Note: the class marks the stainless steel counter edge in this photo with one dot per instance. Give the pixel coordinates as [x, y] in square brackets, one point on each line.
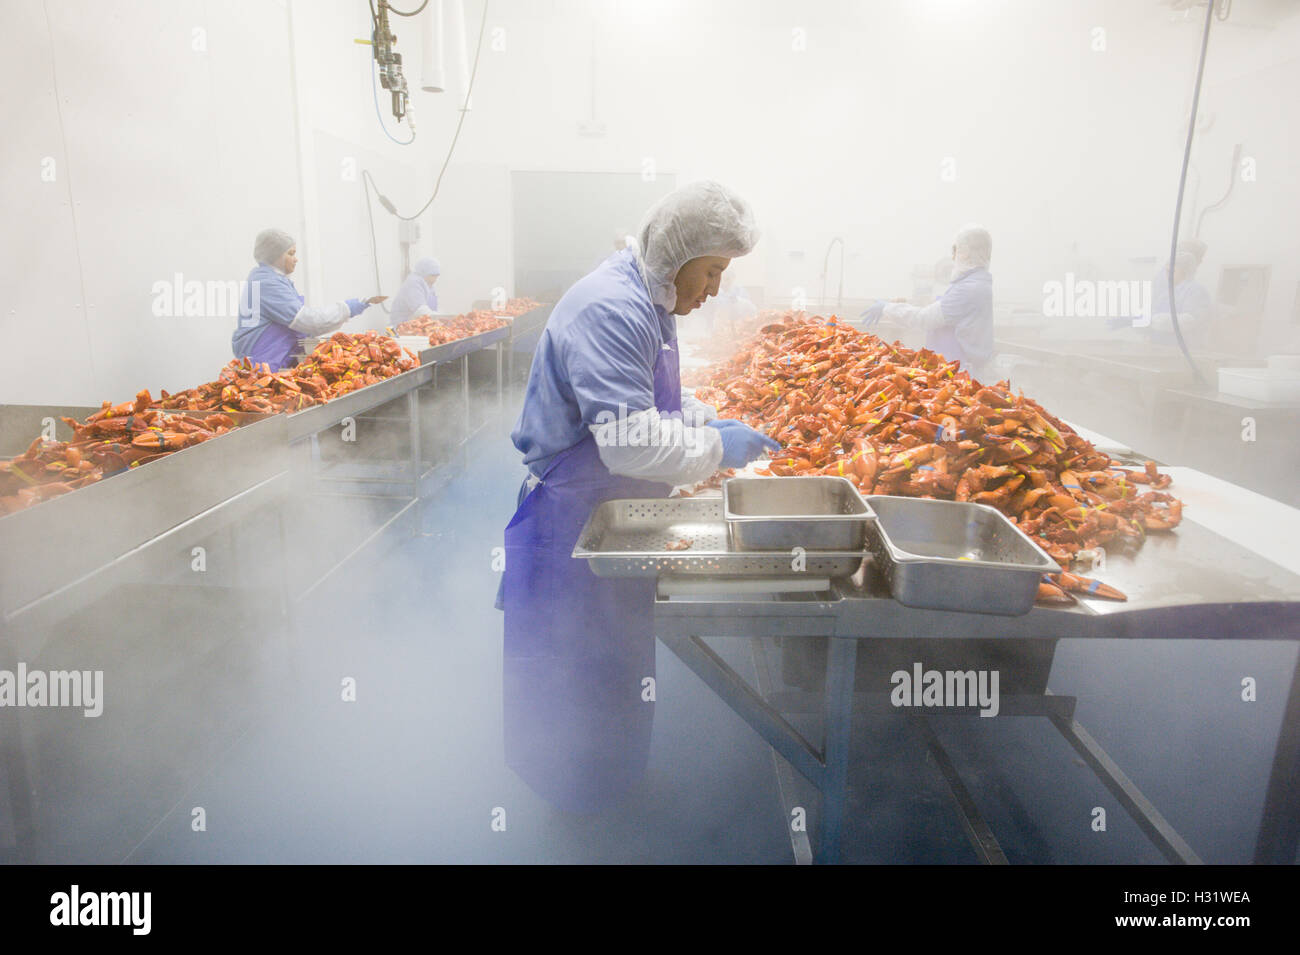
[530, 321]
[44, 547]
[313, 420]
[857, 616]
[450, 351]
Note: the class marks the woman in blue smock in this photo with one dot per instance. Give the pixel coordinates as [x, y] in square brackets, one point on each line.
[1196, 309]
[959, 323]
[273, 317]
[416, 298]
[604, 417]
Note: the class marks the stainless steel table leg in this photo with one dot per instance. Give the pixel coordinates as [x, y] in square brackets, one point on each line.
[417, 453]
[464, 390]
[1279, 828]
[747, 704]
[13, 760]
[981, 837]
[785, 782]
[841, 665]
[1135, 803]
[501, 400]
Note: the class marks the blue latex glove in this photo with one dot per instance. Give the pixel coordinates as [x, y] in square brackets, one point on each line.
[872, 315]
[741, 443]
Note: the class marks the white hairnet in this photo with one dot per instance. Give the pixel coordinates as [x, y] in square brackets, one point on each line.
[1194, 247]
[426, 266]
[974, 249]
[1184, 266]
[703, 218]
[270, 244]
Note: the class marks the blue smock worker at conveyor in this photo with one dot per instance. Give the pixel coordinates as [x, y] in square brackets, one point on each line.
[416, 298]
[273, 316]
[604, 417]
[1196, 310]
[959, 323]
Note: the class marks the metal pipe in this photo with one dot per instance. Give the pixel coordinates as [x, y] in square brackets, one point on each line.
[1232, 182]
[839, 301]
[1182, 186]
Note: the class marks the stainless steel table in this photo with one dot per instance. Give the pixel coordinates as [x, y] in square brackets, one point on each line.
[1189, 584]
[459, 351]
[524, 332]
[388, 485]
[62, 555]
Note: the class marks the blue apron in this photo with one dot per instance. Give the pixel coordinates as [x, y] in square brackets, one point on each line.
[578, 646]
[276, 347]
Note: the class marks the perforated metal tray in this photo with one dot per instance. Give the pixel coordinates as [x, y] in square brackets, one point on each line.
[630, 538]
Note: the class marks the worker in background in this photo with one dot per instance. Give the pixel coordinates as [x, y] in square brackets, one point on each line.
[273, 317]
[1196, 311]
[604, 417]
[959, 323]
[417, 298]
[942, 274]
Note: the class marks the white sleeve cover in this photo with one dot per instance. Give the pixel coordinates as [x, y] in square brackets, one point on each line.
[655, 447]
[931, 316]
[695, 412]
[318, 319]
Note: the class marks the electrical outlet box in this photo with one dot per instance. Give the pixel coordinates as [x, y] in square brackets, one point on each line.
[408, 231]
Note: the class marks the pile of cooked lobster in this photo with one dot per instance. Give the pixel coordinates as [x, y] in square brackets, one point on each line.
[439, 331]
[413, 327]
[517, 306]
[338, 365]
[464, 326]
[900, 421]
[127, 435]
[112, 439]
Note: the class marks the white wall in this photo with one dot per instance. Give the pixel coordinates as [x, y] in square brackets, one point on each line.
[1056, 145]
[847, 136]
[1250, 98]
[166, 159]
[170, 158]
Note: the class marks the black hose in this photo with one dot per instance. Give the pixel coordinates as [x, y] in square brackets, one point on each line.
[1182, 185]
[366, 181]
[469, 89]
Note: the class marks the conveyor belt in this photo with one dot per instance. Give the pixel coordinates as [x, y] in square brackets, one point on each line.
[55, 556]
[318, 418]
[450, 351]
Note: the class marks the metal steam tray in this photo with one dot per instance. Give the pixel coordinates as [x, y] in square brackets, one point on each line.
[816, 512]
[951, 555]
[630, 538]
